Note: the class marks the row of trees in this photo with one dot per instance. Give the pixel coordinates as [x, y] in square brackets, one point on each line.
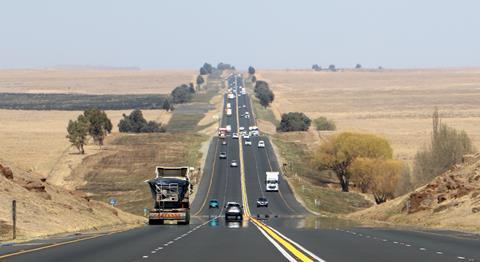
[206, 69]
[182, 94]
[331, 68]
[93, 123]
[136, 123]
[263, 92]
[222, 66]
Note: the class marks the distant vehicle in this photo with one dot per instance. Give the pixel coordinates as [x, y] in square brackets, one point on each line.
[229, 112]
[229, 105]
[247, 116]
[246, 136]
[244, 106]
[261, 144]
[213, 204]
[234, 163]
[224, 142]
[234, 135]
[248, 142]
[222, 132]
[271, 181]
[171, 194]
[246, 113]
[242, 128]
[251, 128]
[262, 202]
[229, 128]
[255, 133]
[223, 155]
[231, 96]
[233, 212]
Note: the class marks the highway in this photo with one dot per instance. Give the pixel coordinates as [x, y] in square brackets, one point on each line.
[285, 231]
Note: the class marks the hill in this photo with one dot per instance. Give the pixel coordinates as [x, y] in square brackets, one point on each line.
[450, 201]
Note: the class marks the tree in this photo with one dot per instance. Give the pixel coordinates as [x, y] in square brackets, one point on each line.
[332, 68]
[294, 121]
[316, 67]
[99, 124]
[78, 133]
[380, 176]
[182, 94]
[254, 79]
[263, 93]
[251, 70]
[167, 105]
[208, 67]
[136, 123]
[339, 152]
[446, 148]
[322, 123]
[203, 71]
[358, 66]
[222, 66]
[200, 80]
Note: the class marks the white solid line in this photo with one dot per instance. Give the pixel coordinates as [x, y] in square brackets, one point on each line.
[284, 253]
[296, 244]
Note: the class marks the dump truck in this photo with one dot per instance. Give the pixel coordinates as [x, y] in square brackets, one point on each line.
[171, 190]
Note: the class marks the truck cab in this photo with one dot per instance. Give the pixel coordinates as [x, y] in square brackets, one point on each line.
[271, 181]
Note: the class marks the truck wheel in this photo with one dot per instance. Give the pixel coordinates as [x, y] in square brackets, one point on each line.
[187, 219]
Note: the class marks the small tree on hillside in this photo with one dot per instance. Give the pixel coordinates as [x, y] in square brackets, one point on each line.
[332, 68]
[99, 124]
[263, 93]
[358, 66]
[167, 105]
[203, 71]
[136, 123]
[294, 121]
[339, 152]
[251, 70]
[78, 133]
[254, 79]
[182, 94]
[200, 80]
[316, 67]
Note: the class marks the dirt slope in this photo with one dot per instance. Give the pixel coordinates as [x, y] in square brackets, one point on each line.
[44, 209]
[450, 201]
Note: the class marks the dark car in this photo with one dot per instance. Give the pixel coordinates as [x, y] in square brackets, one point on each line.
[213, 203]
[233, 212]
[223, 155]
[262, 202]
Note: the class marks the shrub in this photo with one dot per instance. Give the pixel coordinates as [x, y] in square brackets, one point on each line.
[136, 123]
[323, 124]
[447, 148]
[251, 70]
[294, 121]
[182, 94]
[263, 93]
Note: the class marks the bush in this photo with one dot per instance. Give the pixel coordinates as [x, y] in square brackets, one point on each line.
[447, 148]
[136, 123]
[182, 94]
[254, 79]
[332, 68]
[294, 121]
[222, 66]
[358, 66]
[323, 124]
[316, 67]
[263, 93]
[200, 80]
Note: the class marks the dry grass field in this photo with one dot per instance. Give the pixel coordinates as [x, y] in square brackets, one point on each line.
[93, 81]
[35, 140]
[396, 104]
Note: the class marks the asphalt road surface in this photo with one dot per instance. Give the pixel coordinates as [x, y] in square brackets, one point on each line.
[284, 231]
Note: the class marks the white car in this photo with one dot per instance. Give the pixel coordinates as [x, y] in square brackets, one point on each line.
[248, 142]
[261, 143]
[235, 135]
[247, 116]
[242, 128]
[234, 163]
[246, 136]
[254, 133]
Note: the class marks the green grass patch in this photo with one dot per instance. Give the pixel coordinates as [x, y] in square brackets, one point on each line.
[184, 122]
[263, 113]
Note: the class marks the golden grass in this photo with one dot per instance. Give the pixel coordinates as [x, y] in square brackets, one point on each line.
[35, 140]
[93, 81]
[396, 104]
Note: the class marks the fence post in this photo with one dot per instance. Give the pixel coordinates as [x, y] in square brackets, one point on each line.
[14, 219]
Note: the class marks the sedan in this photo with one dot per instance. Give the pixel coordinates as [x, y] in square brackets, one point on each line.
[261, 143]
[235, 135]
[213, 203]
[262, 202]
[224, 142]
[223, 155]
[234, 163]
[248, 142]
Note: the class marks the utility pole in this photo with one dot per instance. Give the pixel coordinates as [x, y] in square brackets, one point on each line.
[14, 219]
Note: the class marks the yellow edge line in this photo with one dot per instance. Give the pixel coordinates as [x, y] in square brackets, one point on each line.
[52, 245]
[242, 171]
[282, 241]
[211, 180]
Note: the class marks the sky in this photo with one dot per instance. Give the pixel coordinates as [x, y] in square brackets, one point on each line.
[177, 34]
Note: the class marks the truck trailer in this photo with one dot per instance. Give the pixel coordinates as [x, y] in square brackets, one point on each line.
[171, 195]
